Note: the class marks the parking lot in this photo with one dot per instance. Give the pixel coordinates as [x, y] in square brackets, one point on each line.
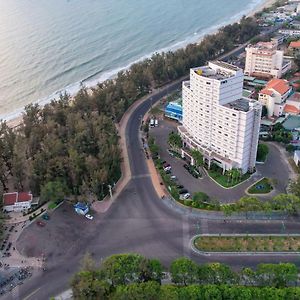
[54, 237]
[274, 168]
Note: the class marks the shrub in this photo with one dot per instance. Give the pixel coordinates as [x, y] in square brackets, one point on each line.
[262, 152]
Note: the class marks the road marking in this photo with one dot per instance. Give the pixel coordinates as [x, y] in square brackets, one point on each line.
[141, 176]
[34, 292]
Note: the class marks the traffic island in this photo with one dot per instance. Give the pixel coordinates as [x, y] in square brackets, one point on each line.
[263, 186]
[247, 244]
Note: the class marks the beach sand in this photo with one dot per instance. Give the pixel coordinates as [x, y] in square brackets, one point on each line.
[13, 123]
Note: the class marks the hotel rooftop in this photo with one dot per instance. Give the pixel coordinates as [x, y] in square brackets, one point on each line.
[263, 46]
[218, 74]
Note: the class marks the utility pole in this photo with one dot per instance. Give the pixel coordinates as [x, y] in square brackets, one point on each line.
[110, 191]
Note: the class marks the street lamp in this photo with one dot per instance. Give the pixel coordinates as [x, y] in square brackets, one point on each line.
[110, 190]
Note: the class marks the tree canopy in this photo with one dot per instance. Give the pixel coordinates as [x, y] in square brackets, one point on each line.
[122, 276]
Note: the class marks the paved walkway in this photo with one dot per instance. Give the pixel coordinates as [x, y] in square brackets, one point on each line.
[16, 259]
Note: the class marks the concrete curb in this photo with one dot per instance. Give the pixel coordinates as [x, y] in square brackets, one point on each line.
[242, 253]
[228, 188]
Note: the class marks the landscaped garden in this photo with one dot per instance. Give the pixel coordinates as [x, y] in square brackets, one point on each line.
[248, 243]
[263, 186]
[230, 179]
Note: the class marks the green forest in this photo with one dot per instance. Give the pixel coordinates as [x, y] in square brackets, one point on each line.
[132, 276]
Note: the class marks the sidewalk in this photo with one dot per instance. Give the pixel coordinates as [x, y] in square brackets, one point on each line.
[21, 218]
[156, 180]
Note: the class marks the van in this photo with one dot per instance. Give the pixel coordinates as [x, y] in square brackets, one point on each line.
[152, 124]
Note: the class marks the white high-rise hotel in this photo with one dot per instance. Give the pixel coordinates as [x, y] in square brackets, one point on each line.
[217, 120]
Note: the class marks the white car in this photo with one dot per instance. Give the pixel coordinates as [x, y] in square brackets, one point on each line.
[90, 217]
[185, 196]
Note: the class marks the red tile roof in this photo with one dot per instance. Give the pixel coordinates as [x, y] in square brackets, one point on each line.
[12, 198]
[266, 92]
[295, 44]
[279, 85]
[291, 109]
[295, 97]
[22, 197]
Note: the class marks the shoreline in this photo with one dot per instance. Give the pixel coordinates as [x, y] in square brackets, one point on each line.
[266, 4]
[15, 121]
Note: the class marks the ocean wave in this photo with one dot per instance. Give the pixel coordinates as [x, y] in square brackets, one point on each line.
[100, 76]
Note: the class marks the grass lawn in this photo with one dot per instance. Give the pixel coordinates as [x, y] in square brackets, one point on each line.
[52, 205]
[248, 243]
[263, 186]
[224, 180]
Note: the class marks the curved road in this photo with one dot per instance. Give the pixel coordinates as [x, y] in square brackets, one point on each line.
[138, 221]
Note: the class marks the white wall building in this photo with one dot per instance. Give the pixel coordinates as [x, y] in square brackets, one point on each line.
[217, 120]
[274, 96]
[264, 60]
[290, 32]
[16, 201]
[297, 157]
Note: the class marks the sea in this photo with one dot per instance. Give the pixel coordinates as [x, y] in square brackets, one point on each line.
[51, 46]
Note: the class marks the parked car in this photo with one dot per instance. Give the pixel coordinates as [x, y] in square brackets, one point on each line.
[173, 177]
[46, 216]
[168, 171]
[168, 168]
[152, 123]
[192, 170]
[40, 223]
[194, 173]
[183, 191]
[179, 186]
[185, 196]
[88, 216]
[170, 152]
[186, 166]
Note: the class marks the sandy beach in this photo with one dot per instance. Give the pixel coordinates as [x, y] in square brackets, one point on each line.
[13, 123]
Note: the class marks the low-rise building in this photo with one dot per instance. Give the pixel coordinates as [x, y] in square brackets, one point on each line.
[297, 157]
[294, 48]
[81, 208]
[290, 32]
[174, 111]
[16, 201]
[264, 60]
[278, 39]
[274, 96]
[292, 106]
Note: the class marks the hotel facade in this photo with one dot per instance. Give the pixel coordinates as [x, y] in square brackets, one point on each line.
[217, 120]
[265, 61]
